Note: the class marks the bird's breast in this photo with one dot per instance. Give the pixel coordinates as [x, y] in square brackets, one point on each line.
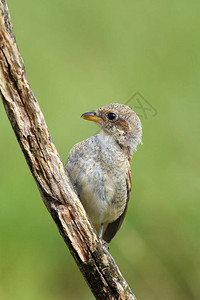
[97, 168]
[102, 193]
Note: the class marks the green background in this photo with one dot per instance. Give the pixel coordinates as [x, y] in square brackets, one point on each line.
[80, 55]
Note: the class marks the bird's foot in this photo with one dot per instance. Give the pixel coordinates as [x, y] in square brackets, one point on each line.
[105, 245]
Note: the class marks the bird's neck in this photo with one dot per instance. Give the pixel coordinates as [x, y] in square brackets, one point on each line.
[128, 146]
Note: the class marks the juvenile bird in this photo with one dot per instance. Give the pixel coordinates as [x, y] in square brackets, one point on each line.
[99, 167]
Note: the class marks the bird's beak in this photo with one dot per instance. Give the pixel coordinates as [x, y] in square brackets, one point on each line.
[91, 116]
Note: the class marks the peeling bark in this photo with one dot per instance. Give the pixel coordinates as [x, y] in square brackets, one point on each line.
[94, 261]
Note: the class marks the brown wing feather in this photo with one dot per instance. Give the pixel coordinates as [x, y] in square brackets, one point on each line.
[113, 227]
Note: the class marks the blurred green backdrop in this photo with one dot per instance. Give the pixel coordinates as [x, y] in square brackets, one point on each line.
[80, 55]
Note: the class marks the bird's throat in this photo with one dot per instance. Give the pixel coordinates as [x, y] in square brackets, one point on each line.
[108, 141]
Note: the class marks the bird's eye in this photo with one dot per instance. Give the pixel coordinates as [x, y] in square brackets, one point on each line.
[112, 116]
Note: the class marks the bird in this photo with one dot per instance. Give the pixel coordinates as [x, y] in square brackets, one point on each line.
[99, 167]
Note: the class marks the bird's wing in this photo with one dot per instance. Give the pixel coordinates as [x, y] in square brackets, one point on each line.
[113, 227]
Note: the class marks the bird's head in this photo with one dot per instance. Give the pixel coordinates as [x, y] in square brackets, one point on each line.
[119, 121]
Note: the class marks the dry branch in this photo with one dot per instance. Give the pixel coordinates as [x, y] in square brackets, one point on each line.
[27, 120]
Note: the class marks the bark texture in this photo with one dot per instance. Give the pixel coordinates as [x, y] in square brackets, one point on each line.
[94, 261]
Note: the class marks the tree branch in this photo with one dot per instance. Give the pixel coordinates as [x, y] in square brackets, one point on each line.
[27, 120]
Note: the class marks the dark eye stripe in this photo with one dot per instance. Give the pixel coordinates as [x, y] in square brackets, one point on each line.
[111, 116]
